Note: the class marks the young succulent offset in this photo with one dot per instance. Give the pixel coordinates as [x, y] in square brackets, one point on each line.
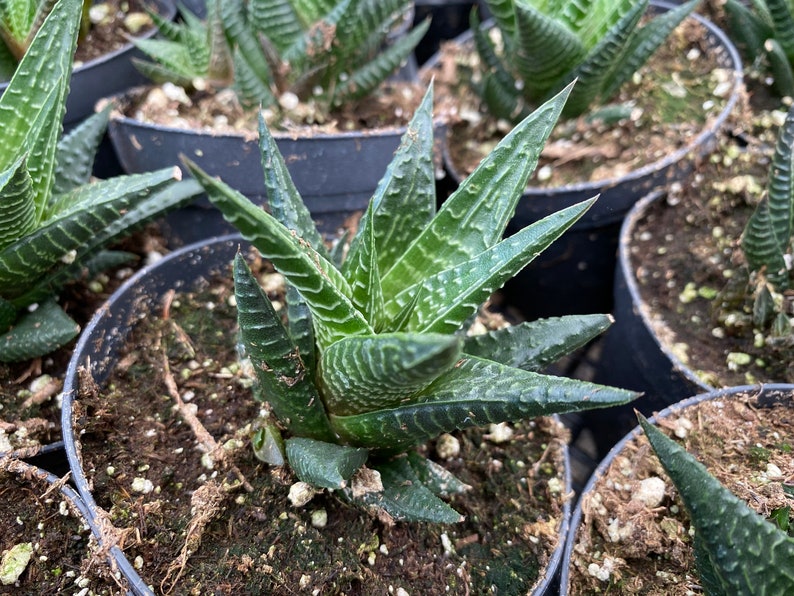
[768, 238]
[736, 550]
[274, 53]
[53, 223]
[764, 31]
[375, 358]
[544, 46]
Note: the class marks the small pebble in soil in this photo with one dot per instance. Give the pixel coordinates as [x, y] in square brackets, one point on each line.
[300, 493]
[447, 446]
[650, 492]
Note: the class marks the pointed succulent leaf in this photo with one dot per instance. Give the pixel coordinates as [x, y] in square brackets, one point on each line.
[592, 71]
[643, 44]
[366, 373]
[450, 297]
[780, 67]
[319, 282]
[534, 345]
[299, 327]
[746, 553]
[76, 151]
[283, 197]
[280, 372]
[473, 393]
[277, 20]
[498, 88]
[436, 478]
[747, 29]
[405, 199]
[38, 333]
[248, 47]
[768, 234]
[504, 15]
[782, 16]
[406, 498]
[536, 32]
[17, 204]
[366, 292]
[475, 216]
[321, 464]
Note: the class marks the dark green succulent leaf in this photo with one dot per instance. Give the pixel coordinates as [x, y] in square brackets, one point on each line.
[404, 201]
[782, 14]
[747, 554]
[643, 44]
[268, 444]
[405, 498]
[592, 72]
[367, 373]
[436, 478]
[473, 393]
[277, 362]
[780, 68]
[249, 52]
[283, 198]
[8, 314]
[747, 29]
[321, 464]
[478, 211]
[764, 309]
[299, 326]
[534, 345]
[17, 203]
[319, 282]
[450, 297]
[160, 73]
[76, 151]
[768, 233]
[504, 16]
[38, 333]
[277, 20]
[171, 57]
[366, 292]
[536, 32]
[709, 579]
[781, 326]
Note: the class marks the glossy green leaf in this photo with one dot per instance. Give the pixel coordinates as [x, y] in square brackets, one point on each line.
[326, 465]
[480, 208]
[280, 372]
[366, 373]
[435, 477]
[534, 345]
[746, 554]
[473, 393]
[37, 333]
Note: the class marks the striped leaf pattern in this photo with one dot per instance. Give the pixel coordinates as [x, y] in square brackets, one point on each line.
[768, 234]
[740, 552]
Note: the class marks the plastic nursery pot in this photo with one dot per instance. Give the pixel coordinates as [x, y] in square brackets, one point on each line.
[633, 354]
[50, 457]
[336, 174]
[106, 75]
[764, 395]
[574, 275]
[55, 508]
[101, 343]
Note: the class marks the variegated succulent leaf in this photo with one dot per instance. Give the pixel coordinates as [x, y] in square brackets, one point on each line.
[323, 464]
[75, 155]
[739, 551]
[767, 238]
[37, 333]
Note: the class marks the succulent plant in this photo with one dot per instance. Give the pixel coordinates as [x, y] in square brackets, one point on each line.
[374, 357]
[54, 224]
[544, 46]
[737, 551]
[767, 239]
[273, 52]
[764, 32]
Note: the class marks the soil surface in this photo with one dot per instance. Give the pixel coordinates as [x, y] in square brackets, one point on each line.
[217, 520]
[112, 23]
[627, 546]
[691, 271]
[680, 91]
[64, 558]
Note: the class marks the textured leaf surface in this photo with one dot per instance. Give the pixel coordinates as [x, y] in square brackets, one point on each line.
[768, 234]
[280, 372]
[17, 203]
[76, 152]
[38, 333]
[366, 373]
[748, 555]
[473, 393]
[322, 464]
[536, 344]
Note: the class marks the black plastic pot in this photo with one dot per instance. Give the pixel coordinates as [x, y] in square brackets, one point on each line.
[575, 274]
[105, 335]
[770, 393]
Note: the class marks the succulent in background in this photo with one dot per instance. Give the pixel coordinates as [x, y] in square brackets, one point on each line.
[764, 32]
[544, 46]
[736, 550]
[54, 224]
[274, 53]
[374, 357]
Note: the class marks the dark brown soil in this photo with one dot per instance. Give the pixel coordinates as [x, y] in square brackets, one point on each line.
[148, 469]
[690, 268]
[627, 546]
[112, 31]
[63, 558]
[679, 92]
